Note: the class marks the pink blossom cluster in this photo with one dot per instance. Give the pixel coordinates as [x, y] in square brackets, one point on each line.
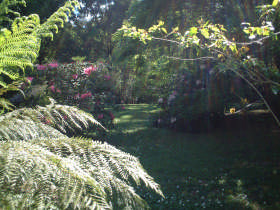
[112, 116]
[107, 77]
[75, 76]
[90, 69]
[29, 79]
[100, 116]
[86, 95]
[44, 67]
[54, 90]
[53, 65]
[41, 67]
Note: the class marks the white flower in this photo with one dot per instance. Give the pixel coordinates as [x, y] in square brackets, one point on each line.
[173, 119]
[252, 36]
[198, 82]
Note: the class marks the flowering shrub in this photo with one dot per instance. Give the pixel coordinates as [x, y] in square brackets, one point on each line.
[88, 86]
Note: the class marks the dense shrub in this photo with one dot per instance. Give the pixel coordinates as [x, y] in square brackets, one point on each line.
[200, 98]
[88, 86]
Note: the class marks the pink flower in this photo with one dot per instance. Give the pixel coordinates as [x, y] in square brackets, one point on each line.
[29, 79]
[75, 76]
[123, 107]
[41, 67]
[112, 116]
[52, 88]
[58, 91]
[85, 95]
[107, 77]
[53, 65]
[88, 70]
[77, 96]
[100, 116]
[47, 122]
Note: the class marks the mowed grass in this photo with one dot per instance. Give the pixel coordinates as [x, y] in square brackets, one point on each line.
[223, 170]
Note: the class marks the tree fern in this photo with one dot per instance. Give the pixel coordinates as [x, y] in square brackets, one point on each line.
[69, 173]
[50, 121]
[50, 170]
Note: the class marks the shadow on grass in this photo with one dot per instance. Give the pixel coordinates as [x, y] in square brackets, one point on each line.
[237, 170]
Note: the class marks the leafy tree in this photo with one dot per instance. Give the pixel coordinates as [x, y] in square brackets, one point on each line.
[209, 41]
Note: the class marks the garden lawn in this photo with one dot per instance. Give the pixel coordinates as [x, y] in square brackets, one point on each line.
[222, 170]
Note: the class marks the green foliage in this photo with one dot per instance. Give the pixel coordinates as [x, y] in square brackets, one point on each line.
[72, 173]
[88, 86]
[212, 41]
[19, 46]
[6, 10]
[64, 172]
[50, 121]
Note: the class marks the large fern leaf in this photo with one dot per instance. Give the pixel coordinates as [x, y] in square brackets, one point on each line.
[57, 19]
[48, 122]
[6, 8]
[69, 173]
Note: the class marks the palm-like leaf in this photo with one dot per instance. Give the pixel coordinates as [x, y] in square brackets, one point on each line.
[69, 173]
[46, 122]
[50, 170]
[5, 8]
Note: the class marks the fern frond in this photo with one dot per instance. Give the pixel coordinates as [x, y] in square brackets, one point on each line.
[3, 84]
[68, 117]
[6, 104]
[5, 9]
[18, 125]
[70, 173]
[57, 19]
[49, 122]
[32, 177]
[19, 47]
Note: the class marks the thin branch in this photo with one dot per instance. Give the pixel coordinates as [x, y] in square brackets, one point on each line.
[258, 41]
[241, 110]
[190, 59]
[259, 93]
[168, 40]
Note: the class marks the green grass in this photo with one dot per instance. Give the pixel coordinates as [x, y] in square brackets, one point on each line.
[222, 170]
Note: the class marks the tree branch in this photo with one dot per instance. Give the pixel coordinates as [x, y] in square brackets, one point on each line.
[259, 93]
[190, 59]
[258, 41]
